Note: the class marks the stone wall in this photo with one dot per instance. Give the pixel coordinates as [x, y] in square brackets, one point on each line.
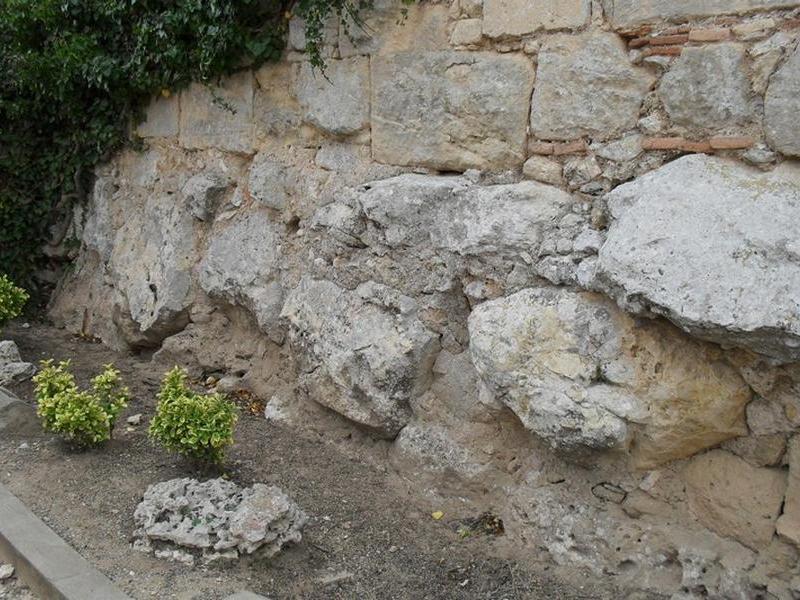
[548, 248]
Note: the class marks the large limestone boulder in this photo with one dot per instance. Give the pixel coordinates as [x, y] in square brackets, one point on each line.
[733, 498]
[241, 266]
[364, 353]
[337, 101]
[711, 245]
[780, 107]
[450, 110]
[708, 88]
[449, 223]
[586, 86]
[579, 372]
[508, 18]
[628, 13]
[215, 519]
[150, 264]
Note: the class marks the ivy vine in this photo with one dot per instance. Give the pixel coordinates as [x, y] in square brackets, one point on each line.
[75, 73]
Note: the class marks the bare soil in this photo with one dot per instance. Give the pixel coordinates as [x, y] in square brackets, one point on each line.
[370, 536]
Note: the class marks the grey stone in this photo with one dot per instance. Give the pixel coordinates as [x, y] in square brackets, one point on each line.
[765, 57]
[710, 244]
[509, 18]
[203, 193]
[450, 110]
[586, 86]
[365, 354]
[337, 101]
[12, 368]
[580, 170]
[569, 365]
[780, 107]
[6, 571]
[241, 266]
[628, 13]
[708, 88]
[221, 117]
[16, 417]
[626, 148]
[216, 517]
[268, 182]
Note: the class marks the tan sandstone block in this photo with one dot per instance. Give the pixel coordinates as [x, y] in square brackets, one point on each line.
[509, 18]
[734, 498]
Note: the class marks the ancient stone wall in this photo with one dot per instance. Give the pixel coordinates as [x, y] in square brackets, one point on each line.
[548, 248]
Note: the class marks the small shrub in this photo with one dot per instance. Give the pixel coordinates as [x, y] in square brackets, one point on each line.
[197, 426]
[12, 299]
[84, 418]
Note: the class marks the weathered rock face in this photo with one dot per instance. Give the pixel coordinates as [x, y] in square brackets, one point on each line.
[435, 124]
[505, 18]
[241, 266]
[577, 371]
[708, 88]
[434, 246]
[741, 290]
[586, 86]
[788, 524]
[780, 107]
[365, 353]
[217, 518]
[735, 499]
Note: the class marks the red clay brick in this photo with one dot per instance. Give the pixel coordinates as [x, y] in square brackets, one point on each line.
[540, 148]
[636, 32]
[662, 51]
[790, 24]
[669, 40]
[699, 147]
[663, 143]
[576, 147]
[709, 35]
[731, 142]
[638, 42]
[676, 30]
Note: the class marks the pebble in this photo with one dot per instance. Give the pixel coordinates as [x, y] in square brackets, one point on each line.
[6, 571]
[135, 419]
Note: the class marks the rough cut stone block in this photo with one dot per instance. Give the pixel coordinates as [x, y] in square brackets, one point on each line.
[781, 107]
[708, 88]
[509, 18]
[711, 245]
[337, 101]
[586, 86]
[733, 498]
[451, 110]
[628, 13]
[161, 118]
[221, 118]
[576, 371]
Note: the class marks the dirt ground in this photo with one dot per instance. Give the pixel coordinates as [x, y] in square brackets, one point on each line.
[370, 535]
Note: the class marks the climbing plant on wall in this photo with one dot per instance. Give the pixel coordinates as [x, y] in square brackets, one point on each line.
[74, 74]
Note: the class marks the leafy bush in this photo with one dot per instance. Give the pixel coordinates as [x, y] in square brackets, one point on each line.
[75, 73]
[12, 299]
[195, 425]
[85, 418]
